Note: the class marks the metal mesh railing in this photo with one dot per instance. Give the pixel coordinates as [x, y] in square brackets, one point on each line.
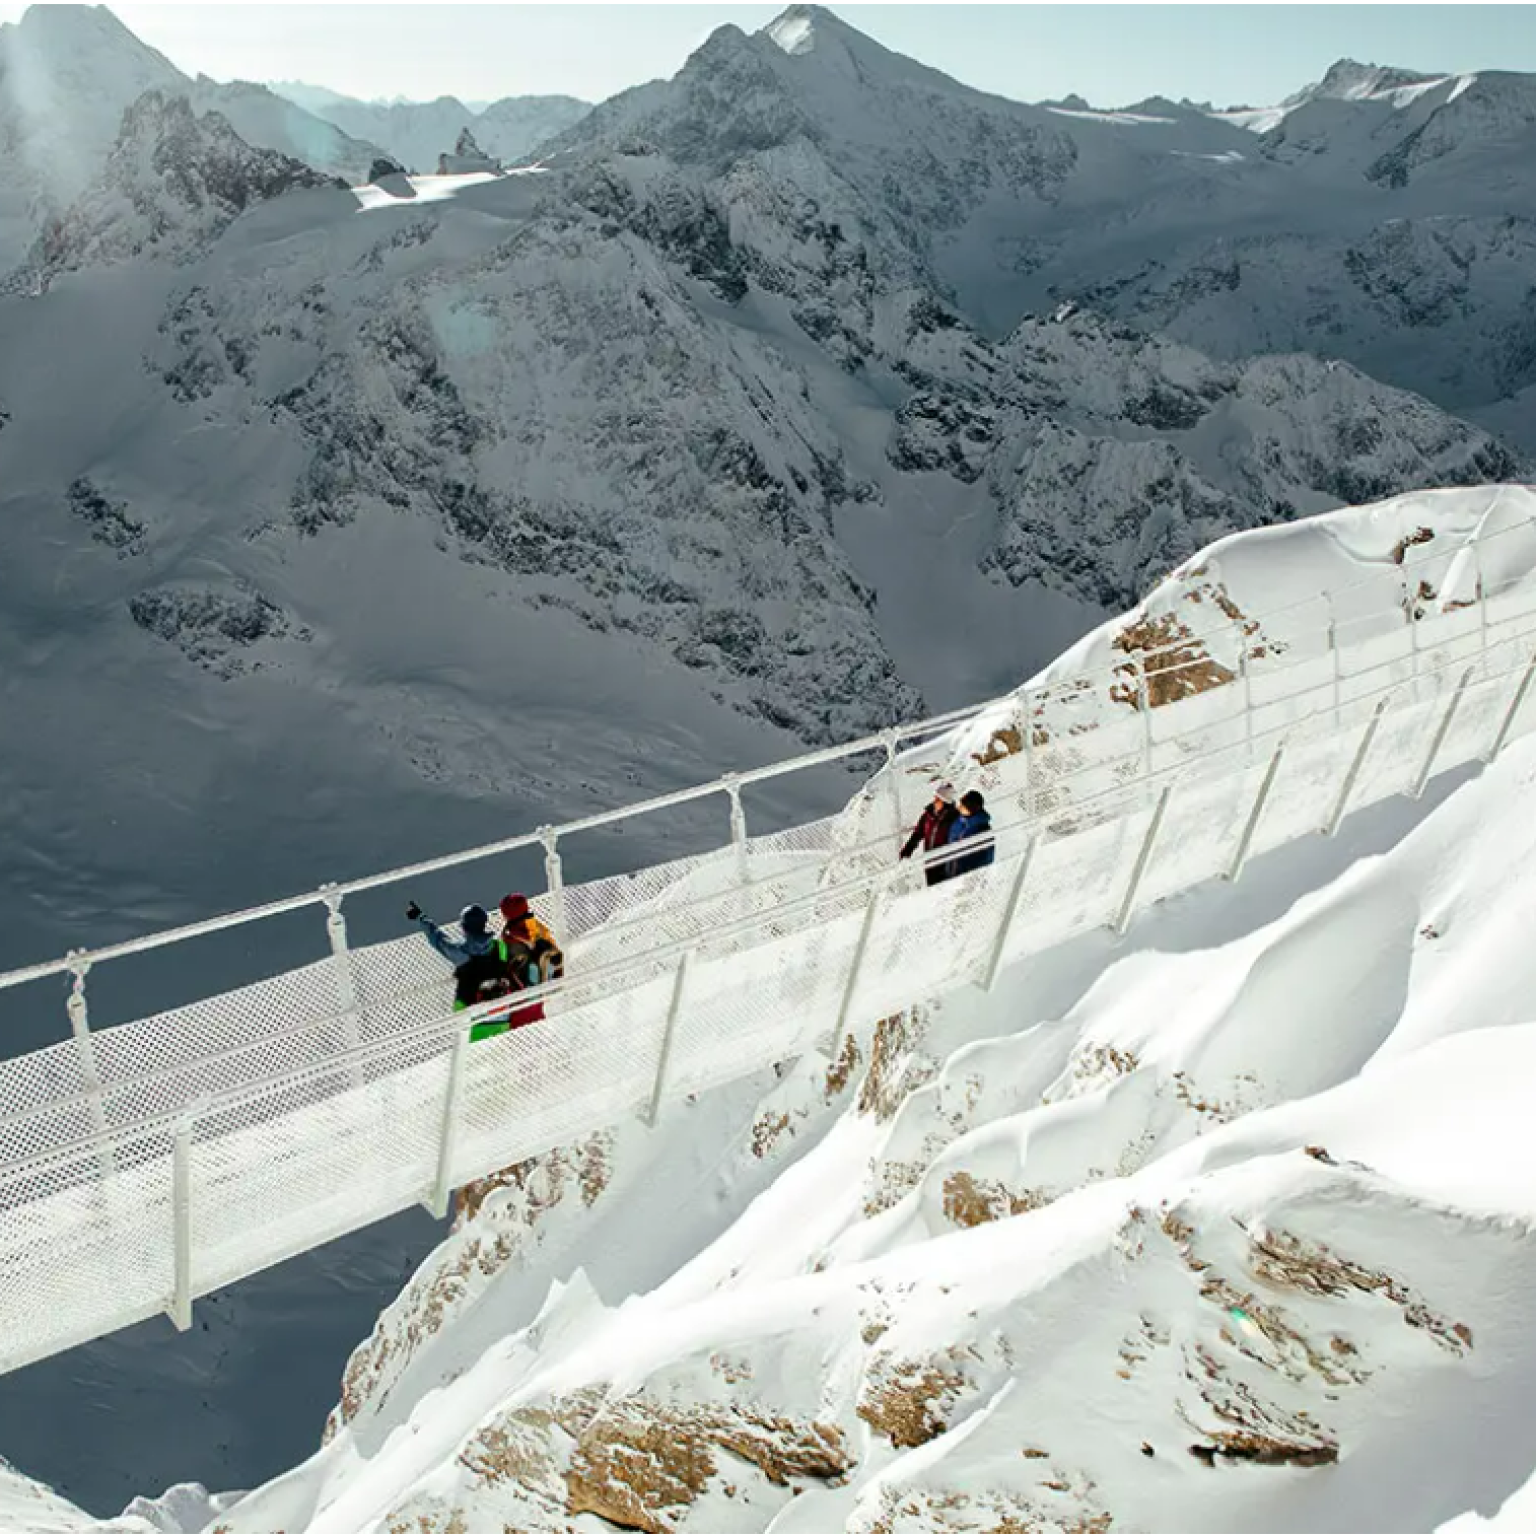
[145, 1164]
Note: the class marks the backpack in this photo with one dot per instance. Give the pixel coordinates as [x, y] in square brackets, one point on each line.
[482, 977]
[538, 956]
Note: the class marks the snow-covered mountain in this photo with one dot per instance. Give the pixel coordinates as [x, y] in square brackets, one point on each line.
[67, 75]
[1380, 216]
[1384, 218]
[1061, 1256]
[417, 132]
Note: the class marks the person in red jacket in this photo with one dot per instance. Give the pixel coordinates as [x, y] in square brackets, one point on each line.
[932, 830]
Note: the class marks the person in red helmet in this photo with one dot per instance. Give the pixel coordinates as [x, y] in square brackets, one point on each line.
[533, 956]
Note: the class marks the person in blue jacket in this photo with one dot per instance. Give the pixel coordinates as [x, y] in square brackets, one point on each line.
[972, 822]
[480, 962]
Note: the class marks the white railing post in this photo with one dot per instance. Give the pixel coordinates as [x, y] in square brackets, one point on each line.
[1028, 710]
[1507, 723]
[180, 1308]
[1441, 731]
[1144, 708]
[1010, 912]
[346, 980]
[668, 1034]
[554, 879]
[739, 840]
[738, 814]
[1247, 674]
[1240, 857]
[1341, 805]
[1143, 858]
[1482, 594]
[85, 1046]
[892, 738]
[1338, 663]
[442, 1183]
[856, 967]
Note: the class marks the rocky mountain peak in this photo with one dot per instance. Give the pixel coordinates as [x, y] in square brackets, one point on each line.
[1349, 80]
[173, 181]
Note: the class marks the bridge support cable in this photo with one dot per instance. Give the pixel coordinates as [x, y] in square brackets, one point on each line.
[1010, 912]
[453, 1094]
[1507, 724]
[180, 1308]
[1240, 855]
[1341, 805]
[668, 1035]
[1441, 732]
[845, 1014]
[1143, 858]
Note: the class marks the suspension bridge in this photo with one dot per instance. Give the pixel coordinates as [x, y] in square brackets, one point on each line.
[149, 1163]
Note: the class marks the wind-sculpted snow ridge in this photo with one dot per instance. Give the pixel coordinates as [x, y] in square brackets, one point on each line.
[1224, 1224]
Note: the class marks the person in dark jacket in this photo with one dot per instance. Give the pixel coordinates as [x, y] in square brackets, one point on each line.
[972, 822]
[932, 830]
[479, 963]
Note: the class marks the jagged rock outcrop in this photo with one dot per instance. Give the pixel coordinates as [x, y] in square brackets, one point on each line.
[173, 183]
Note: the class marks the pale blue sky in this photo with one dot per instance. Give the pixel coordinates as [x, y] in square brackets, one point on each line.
[1112, 54]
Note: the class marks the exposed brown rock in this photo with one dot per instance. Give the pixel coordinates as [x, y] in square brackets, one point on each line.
[969, 1202]
[1407, 542]
[1178, 666]
[904, 1400]
[1006, 741]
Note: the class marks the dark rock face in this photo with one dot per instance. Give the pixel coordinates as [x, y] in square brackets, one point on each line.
[209, 625]
[108, 519]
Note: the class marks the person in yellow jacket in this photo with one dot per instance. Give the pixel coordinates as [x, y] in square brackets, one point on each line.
[533, 953]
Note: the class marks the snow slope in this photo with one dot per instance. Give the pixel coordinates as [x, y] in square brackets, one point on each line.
[1222, 1226]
